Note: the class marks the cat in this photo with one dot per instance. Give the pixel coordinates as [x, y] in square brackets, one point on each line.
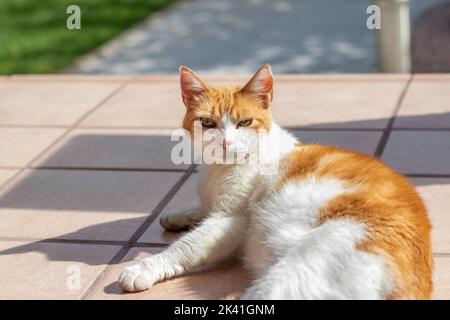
[329, 224]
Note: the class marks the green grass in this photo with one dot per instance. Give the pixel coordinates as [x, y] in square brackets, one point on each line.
[34, 37]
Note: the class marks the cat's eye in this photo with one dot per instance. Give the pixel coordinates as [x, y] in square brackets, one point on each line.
[245, 123]
[208, 122]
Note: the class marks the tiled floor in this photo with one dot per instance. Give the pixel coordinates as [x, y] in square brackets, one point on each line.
[85, 171]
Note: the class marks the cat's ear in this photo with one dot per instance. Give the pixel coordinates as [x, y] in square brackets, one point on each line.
[192, 87]
[261, 85]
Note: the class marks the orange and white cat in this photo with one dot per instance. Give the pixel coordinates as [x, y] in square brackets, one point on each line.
[330, 224]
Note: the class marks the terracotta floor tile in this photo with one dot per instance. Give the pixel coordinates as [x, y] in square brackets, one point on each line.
[50, 102]
[436, 194]
[432, 76]
[225, 282]
[92, 205]
[336, 104]
[419, 152]
[426, 105]
[47, 270]
[441, 278]
[95, 148]
[184, 199]
[18, 146]
[152, 103]
[364, 141]
[6, 174]
[141, 104]
[70, 77]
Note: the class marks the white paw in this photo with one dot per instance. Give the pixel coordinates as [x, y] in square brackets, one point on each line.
[136, 278]
[177, 221]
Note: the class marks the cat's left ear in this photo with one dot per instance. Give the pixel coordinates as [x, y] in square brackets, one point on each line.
[192, 87]
[261, 85]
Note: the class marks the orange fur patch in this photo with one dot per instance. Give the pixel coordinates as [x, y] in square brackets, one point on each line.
[398, 228]
[216, 102]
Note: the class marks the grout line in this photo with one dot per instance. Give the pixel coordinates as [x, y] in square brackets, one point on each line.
[83, 241]
[420, 129]
[426, 175]
[159, 208]
[175, 170]
[149, 245]
[153, 128]
[387, 131]
[23, 126]
[286, 78]
[149, 128]
[62, 240]
[44, 126]
[115, 260]
[17, 78]
[138, 233]
[111, 169]
[65, 133]
[34, 126]
[300, 128]
[441, 254]
[173, 77]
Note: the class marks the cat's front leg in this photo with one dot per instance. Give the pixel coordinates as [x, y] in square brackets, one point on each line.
[215, 239]
[143, 274]
[181, 220]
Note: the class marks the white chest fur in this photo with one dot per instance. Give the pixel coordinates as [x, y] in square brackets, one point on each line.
[226, 187]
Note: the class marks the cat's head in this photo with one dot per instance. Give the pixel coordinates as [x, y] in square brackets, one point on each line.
[234, 114]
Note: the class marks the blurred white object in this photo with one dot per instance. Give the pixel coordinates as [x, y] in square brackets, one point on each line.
[394, 37]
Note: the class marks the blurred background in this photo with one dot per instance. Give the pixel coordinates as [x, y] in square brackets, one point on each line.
[223, 36]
